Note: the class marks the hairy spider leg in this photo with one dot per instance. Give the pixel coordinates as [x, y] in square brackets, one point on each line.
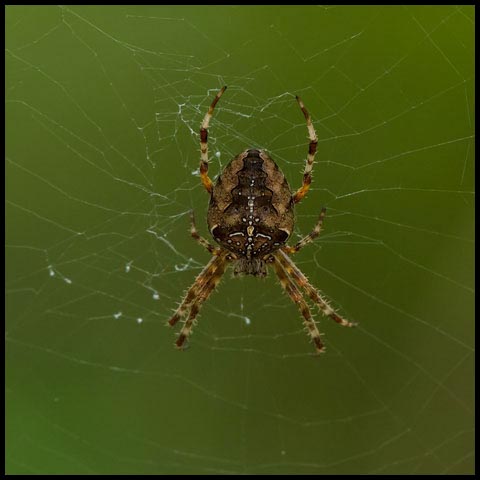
[197, 287]
[312, 149]
[203, 295]
[310, 237]
[202, 241]
[207, 182]
[301, 280]
[296, 296]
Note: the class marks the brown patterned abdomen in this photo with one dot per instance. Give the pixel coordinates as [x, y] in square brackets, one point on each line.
[251, 208]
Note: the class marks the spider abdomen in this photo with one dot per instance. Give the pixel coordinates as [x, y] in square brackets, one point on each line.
[251, 207]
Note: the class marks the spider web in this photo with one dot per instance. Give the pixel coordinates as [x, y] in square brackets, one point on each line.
[103, 107]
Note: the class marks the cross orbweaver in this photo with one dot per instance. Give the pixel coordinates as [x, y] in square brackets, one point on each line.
[251, 216]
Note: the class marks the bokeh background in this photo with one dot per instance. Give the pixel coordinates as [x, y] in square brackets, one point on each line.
[103, 106]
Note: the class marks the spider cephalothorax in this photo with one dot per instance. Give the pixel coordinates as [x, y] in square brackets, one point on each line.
[251, 216]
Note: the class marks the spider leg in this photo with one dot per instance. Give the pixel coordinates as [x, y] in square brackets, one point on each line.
[203, 295]
[296, 296]
[202, 241]
[207, 182]
[312, 149]
[310, 237]
[198, 285]
[301, 280]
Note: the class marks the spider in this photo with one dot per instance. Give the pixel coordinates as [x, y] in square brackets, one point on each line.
[251, 217]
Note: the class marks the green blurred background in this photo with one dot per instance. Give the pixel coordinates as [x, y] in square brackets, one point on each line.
[103, 106]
